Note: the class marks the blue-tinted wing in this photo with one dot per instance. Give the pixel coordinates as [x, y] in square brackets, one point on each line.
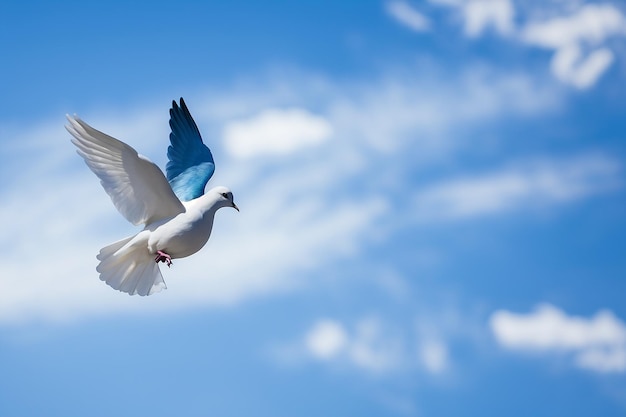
[190, 162]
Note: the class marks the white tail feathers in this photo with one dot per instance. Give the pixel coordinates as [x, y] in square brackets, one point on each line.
[130, 268]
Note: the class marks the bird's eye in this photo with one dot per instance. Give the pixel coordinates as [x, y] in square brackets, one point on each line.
[225, 195]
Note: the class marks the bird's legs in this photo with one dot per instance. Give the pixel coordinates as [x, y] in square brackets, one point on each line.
[163, 257]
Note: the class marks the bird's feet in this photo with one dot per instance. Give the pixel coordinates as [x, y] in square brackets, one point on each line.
[163, 257]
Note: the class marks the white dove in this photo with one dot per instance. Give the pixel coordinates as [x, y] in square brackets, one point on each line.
[176, 213]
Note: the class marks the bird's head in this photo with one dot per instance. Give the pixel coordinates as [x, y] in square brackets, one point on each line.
[224, 197]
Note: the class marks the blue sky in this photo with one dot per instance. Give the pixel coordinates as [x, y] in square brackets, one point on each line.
[433, 209]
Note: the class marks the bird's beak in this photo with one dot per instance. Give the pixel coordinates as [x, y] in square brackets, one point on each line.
[235, 206]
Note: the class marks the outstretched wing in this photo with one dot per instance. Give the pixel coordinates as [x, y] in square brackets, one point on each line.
[190, 161]
[136, 186]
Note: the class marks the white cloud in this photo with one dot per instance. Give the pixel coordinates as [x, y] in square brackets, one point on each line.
[542, 183]
[372, 346]
[592, 24]
[579, 34]
[482, 14]
[275, 131]
[550, 328]
[586, 30]
[597, 343]
[407, 15]
[368, 347]
[612, 359]
[569, 66]
[434, 356]
[326, 339]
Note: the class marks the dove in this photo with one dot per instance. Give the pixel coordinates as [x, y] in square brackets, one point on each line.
[176, 213]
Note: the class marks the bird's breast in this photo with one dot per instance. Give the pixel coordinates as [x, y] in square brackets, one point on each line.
[183, 235]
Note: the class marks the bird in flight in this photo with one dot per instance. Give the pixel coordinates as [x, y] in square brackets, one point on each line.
[176, 213]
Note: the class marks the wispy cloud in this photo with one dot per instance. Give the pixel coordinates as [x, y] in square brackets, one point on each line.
[367, 347]
[569, 66]
[537, 184]
[434, 356]
[403, 110]
[373, 346]
[481, 15]
[591, 24]
[579, 34]
[597, 343]
[407, 15]
[579, 40]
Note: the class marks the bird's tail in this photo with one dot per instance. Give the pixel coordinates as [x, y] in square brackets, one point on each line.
[129, 268]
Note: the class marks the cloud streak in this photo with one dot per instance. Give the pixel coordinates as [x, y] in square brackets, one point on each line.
[367, 347]
[538, 184]
[580, 58]
[407, 16]
[372, 346]
[597, 343]
[579, 38]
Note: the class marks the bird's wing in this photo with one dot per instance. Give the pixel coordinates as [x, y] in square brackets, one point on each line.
[190, 161]
[136, 186]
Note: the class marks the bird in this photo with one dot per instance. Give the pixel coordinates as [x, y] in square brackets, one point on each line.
[176, 213]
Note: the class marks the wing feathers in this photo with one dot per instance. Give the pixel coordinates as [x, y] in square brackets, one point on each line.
[136, 186]
[190, 164]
